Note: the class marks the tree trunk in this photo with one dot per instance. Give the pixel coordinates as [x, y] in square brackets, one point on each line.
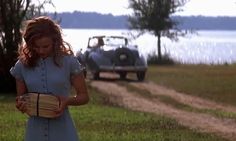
[159, 46]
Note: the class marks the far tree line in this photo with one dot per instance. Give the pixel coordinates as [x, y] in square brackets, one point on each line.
[88, 20]
[148, 16]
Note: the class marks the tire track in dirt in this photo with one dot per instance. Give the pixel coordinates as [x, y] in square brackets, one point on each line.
[193, 101]
[203, 122]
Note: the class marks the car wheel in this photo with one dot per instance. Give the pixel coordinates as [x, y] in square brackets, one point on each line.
[123, 57]
[123, 75]
[95, 75]
[85, 73]
[141, 75]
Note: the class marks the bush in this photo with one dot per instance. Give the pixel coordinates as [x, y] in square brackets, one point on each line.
[7, 84]
[153, 59]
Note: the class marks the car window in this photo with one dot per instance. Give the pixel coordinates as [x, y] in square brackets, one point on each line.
[108, 41]
[114, 41]
[93, 42]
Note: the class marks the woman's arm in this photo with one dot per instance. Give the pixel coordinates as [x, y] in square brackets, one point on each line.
[78, 82]
[20, 89]
[81, 97]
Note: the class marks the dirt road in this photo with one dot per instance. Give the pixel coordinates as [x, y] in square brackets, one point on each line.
[201, 121]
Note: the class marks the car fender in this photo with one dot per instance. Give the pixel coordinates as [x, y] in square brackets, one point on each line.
[95, 60]
[141, 61]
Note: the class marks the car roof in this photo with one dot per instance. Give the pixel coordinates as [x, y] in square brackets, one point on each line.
[102, 36]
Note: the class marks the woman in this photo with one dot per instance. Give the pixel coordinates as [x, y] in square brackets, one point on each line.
[46, 65]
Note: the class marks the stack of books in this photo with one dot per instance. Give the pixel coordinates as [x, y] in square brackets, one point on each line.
[42, 105]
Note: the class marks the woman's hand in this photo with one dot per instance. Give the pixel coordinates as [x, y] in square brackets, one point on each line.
[21, 104]
[63, 105]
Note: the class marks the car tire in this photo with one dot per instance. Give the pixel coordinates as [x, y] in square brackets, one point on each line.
[123, 75]
[129, 60]
[85, 73]
[141, 75]
[95, 75]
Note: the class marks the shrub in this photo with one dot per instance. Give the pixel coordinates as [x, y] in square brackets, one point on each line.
[154, 59]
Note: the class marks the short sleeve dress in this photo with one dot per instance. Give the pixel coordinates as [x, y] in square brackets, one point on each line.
[48, 78]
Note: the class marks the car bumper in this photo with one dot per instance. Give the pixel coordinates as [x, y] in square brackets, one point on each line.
[122, 68]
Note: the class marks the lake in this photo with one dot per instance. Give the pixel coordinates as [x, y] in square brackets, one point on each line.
[204, 47]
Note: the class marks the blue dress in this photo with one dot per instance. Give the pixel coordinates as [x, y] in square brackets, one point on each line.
[48, 78]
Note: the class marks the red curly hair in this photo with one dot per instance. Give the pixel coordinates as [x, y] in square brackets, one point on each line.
[42, 27]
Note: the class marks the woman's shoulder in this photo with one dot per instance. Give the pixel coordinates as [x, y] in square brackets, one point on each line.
[69, 57]
[72, 63]
[17, 70]
[19, 63]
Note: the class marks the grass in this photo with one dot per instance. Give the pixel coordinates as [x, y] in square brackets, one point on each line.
[109, 123]
[174, 103]
[209, 82]
[215, 82]
[12, 122]
[216, 112]
[101, 121]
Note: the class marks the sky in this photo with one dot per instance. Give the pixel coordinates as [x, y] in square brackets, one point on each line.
[120, 7]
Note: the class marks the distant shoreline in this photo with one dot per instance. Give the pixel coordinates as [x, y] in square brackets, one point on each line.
[93, 20]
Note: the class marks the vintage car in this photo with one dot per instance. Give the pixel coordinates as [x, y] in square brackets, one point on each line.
[113, 54]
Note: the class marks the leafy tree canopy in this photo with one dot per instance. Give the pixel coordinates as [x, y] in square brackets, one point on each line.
[12, 15]
[154, 16]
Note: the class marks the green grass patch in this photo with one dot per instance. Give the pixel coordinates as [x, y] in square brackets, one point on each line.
[101, 121]
[12, 122]
[216, 112]
[172, 102]
[206, 81]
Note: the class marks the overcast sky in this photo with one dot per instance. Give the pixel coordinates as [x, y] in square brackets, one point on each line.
[120, 7]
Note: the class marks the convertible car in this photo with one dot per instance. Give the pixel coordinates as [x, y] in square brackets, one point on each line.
[113, 54]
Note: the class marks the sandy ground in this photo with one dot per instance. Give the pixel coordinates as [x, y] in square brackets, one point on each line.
[203, 122]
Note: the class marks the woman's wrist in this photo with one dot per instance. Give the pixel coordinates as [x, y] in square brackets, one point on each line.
[72, 101]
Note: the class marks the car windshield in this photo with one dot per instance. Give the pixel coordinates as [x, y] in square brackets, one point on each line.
[114, 41]
[108, 41]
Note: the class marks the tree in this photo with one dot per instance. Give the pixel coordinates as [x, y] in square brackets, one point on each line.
[154, 16]
[12, 15]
